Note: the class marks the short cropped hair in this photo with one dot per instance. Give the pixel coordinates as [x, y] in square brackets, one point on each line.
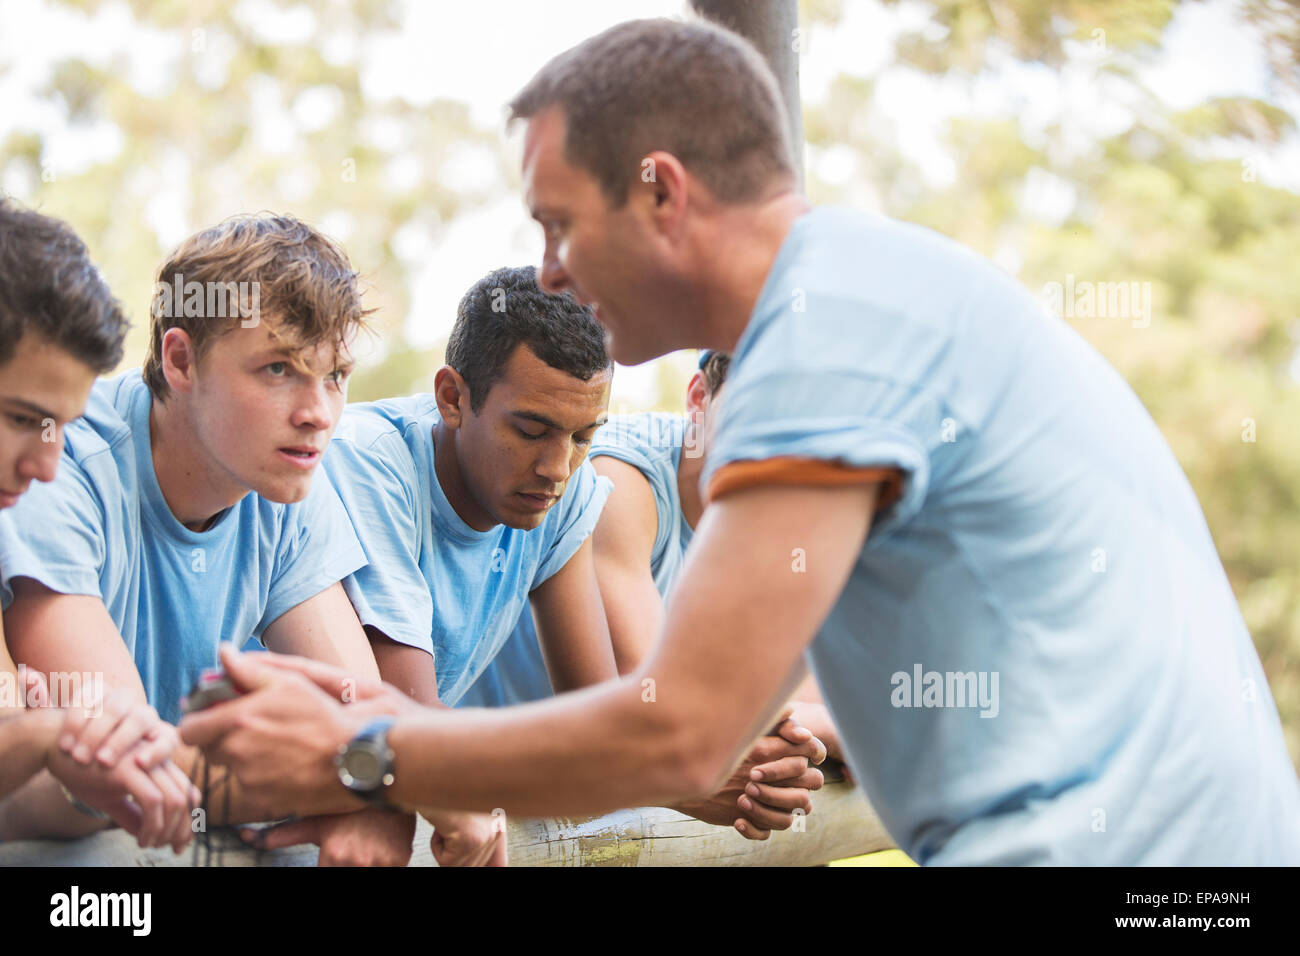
[715, 367]
[695, 90]
[49, 286]
[280, 265]
[506, 309]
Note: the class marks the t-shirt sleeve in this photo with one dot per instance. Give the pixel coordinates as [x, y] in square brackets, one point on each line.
[819, 388]
[630, 453]
[55, 534]
[378, 488]
[580, 506]
[317, 547]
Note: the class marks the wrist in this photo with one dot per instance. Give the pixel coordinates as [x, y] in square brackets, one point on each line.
[44, 725]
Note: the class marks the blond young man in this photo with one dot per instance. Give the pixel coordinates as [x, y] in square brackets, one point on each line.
[188, 511]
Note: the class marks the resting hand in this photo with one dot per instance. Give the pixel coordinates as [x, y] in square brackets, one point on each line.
[121, 723]
[774, 780]
[152, 805]
[467, 839]
[371, 837]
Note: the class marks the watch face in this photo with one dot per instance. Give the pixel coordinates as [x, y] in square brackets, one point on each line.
[363, 766]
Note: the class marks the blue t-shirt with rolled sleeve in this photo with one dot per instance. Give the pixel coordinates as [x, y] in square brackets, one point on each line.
[102, 528]
[1037, 657]
[651, 442]
[432, 581]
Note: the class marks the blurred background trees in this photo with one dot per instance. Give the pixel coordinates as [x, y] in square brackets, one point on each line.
[1147, 141]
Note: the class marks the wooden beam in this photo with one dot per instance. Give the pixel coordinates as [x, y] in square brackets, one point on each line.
[841, 825]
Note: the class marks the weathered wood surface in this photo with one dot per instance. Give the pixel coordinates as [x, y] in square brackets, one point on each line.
[841, 824]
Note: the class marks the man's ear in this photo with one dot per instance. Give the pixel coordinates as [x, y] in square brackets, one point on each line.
[697, 394]
[179, 360]
[665, 182]
[452, 396]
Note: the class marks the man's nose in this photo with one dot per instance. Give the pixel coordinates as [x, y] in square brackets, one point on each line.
[40, 460]
[551, 277]
[314, 408]
[554, 464]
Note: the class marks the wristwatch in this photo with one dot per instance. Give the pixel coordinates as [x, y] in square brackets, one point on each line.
[365, 763]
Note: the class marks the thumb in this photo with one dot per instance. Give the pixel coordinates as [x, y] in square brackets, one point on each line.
[247, 673]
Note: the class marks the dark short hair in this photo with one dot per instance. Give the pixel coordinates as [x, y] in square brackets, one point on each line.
[302, 278]
[506, 309]
[49, 286]
[694, 90]
[715, 366]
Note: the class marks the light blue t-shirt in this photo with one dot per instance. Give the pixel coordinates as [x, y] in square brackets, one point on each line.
[652, 443]
[103, 528]
[1096, 697]
[432, 581]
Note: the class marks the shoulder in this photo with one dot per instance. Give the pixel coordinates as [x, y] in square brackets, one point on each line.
[391, 434]
[105, 425]
[645, 440]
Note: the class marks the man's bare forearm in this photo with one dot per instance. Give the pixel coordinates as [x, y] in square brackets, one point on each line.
[34, 805]
[25, 739]
[39, 810]
[409, 669]
[439, 760]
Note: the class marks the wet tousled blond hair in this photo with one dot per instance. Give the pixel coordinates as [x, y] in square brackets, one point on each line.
[298, 278]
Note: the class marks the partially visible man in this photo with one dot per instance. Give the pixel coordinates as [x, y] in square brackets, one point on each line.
[59, 327]
[185, 513]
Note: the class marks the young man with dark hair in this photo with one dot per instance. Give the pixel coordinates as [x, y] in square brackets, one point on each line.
[185, 513]
[59, 327]
[916, 475]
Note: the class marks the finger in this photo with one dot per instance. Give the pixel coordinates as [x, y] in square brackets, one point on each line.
[750, 831]
[295, 833]
[797, 733]
[793, 731]
[810, 779]
[94, 731]
[144, 789]
[126, 734]
[781, 769]
[773, 818]
[780, 798]
[333, 680]
[74, 722]
[245, 670]
[156, 747]
[774, 746]
[175, 806]
[185, 831]
[781, 717]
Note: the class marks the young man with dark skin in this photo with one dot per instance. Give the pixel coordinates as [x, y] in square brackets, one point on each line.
[60, 327]
[1005, 584]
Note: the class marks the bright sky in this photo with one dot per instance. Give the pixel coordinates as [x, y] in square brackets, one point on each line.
[483, 52]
